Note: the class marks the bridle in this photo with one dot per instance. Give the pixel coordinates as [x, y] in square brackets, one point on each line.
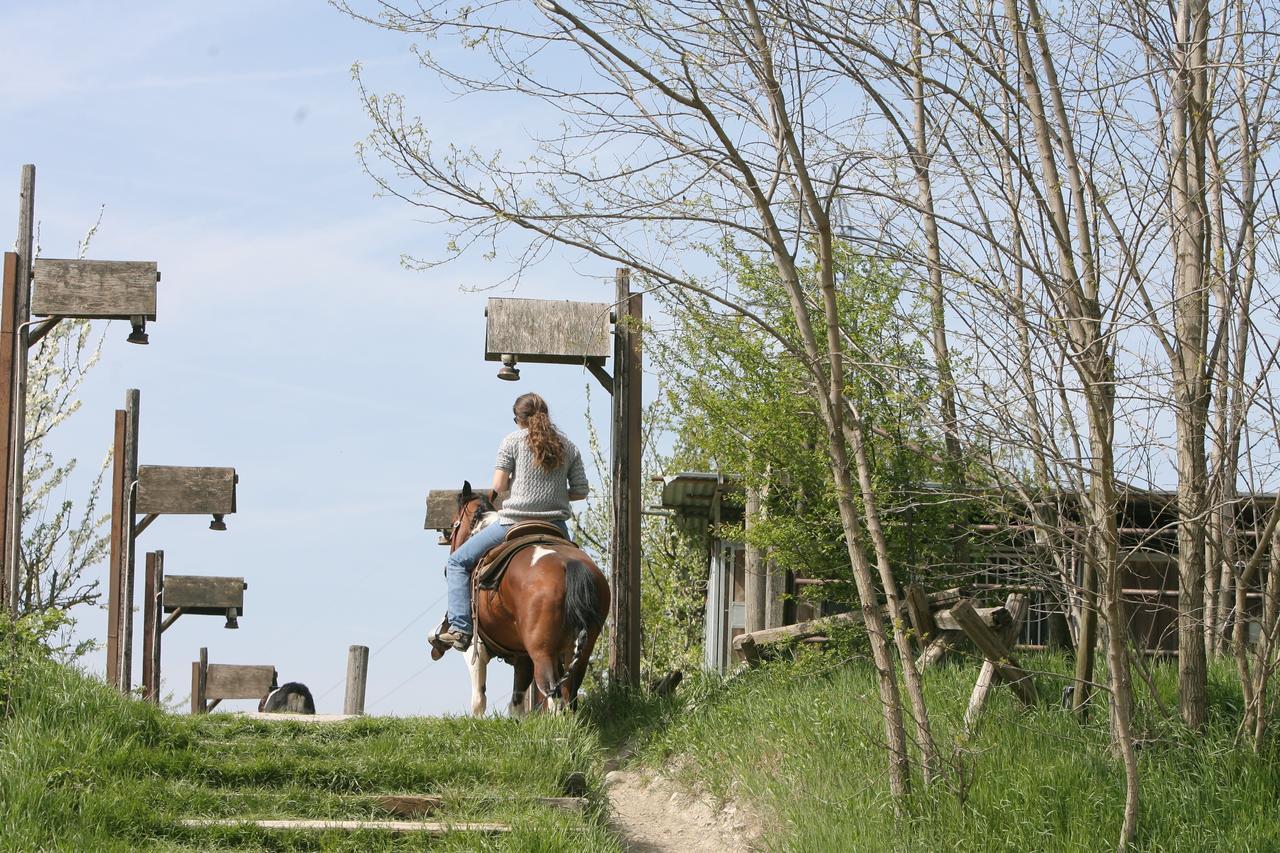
[464, 523]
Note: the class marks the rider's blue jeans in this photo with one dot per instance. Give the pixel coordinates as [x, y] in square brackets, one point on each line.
[457, 572]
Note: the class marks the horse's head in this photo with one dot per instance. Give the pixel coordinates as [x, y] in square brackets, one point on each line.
[472, 509]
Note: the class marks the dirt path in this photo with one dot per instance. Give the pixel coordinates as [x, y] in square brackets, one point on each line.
[654, 815]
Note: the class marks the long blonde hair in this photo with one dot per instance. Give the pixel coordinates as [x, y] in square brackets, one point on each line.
[544, 439]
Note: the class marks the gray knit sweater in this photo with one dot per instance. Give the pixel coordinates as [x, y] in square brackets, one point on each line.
[535, 493]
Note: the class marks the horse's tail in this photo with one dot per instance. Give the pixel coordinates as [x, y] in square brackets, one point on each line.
[582, 614]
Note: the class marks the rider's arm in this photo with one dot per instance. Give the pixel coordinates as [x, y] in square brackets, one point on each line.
[501, 481]
[578, 487]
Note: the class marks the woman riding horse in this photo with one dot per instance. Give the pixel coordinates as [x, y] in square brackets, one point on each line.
[542, 470]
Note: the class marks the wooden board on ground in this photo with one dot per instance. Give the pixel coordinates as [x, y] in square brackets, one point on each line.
[299, 718]
[547, 330]
[417, 805]
[203, 594]
[177, 490]
[424, 827]
[96, 290]
[238, 681]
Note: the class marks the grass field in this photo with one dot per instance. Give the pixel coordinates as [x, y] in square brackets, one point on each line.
[797, 743]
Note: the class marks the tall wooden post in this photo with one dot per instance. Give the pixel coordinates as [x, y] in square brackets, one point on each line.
[624, 648]
[199, 673]
[114, 596]
[153, 589]
[8, 310]
[127, 551]
[756, 591]
[148, 621]
[357, 677]
[17, 413]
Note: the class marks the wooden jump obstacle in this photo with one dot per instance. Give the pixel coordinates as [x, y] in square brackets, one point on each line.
[211, 683]
[941, 621]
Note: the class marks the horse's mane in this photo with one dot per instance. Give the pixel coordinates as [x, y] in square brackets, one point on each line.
[486, 518]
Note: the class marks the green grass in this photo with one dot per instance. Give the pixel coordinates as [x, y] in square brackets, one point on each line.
[800, 744]
[82, 768]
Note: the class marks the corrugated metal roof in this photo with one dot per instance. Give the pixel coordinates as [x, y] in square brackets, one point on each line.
[691, 491]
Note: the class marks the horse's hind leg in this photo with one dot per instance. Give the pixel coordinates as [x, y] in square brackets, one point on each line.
[579, 672]
[520, 686]
[546, 677]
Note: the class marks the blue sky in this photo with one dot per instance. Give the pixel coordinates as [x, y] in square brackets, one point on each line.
[290, 342]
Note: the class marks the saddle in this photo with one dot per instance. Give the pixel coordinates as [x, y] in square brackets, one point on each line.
[488, 573]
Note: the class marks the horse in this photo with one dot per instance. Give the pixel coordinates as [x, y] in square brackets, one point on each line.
[546, 613]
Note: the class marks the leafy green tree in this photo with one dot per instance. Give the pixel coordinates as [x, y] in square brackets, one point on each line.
[743, 411]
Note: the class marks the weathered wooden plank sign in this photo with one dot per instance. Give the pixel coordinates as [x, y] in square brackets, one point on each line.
[443, 503]
[237, 681]
[548, 330]
[174, 490]
[203, 595]
[96, 290]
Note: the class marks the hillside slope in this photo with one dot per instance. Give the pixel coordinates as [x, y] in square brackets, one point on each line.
[82, 768]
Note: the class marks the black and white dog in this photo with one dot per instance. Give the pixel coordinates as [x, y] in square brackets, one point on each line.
[291, 698]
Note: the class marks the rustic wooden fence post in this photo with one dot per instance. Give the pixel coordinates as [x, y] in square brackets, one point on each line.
[357, 677]
[199, 671]
[624, 648]
[17, 412]
[114, 577]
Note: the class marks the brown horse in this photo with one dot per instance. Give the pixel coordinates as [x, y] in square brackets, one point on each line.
[545, 615]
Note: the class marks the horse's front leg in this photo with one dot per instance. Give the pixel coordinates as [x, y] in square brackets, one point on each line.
[478, 662]
[520, 686]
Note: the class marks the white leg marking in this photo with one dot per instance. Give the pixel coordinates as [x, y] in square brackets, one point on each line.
[478, 662]
[517, 704]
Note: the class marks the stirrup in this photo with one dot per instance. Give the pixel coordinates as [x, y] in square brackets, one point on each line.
[438, 646]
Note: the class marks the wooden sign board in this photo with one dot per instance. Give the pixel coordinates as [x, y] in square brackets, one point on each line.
[548, 330]
[235, 681]
[97, 290]
[443, 503]
[169, 489]
[203, 595]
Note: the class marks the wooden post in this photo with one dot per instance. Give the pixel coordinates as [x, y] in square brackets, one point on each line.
[128, 550]
[18, 401]
[159, 639]
[117, 545]
[756, 579]
[776, 593]
[8, 310]
[199, 668]
[921, 618]
[624, 647]
[150, 624]
[357, 676]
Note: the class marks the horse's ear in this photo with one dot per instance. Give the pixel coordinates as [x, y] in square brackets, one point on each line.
[466, 488]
